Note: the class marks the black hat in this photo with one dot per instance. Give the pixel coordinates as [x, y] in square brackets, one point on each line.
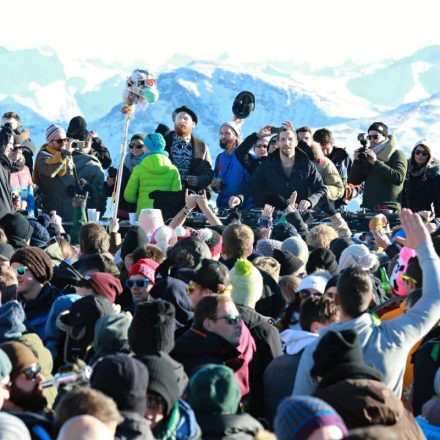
[335, 348]
[163, 379]
[124, 379]
[283, 230]
[75, 124]
[243, 105]
[185, 109]
[288, 262]
[134, 238]
[339, 244]
[17, 229]
[152, 328]
[209, 275]
[138, 137]
[380, 127]
[322, 258]
[175, 292]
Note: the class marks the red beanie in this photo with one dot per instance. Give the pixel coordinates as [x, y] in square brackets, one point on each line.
[144, 267]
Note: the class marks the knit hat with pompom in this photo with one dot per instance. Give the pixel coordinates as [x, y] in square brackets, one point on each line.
[247, 283]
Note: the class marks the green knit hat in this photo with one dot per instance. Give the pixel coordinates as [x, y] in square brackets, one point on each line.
[247, 283]
[213, 390]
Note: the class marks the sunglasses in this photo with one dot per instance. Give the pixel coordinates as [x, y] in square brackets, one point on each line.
[18, 148]
[420, 153]
[61, 141]
[138, 283]
[21, 270]
[373, 136]
[408, 278]
[231, 320]
[137, 146]
[32, 372]
[261, 146]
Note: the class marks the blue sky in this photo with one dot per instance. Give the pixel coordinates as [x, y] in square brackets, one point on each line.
[320, 32]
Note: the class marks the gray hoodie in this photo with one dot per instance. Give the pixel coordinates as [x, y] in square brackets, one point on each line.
[386, 346]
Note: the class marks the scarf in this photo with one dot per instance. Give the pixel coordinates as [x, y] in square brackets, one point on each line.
[379, 147]
[58, 159]
[131, 161]
[170, 431]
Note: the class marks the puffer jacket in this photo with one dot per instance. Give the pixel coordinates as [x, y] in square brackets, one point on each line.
[332, 179]
[155, 172]
[21, 183]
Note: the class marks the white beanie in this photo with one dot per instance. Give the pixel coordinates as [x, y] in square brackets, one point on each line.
[357, 255]
[247, 283]
[314, 281]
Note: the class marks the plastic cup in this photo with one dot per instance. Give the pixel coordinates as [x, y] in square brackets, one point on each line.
[132, 218]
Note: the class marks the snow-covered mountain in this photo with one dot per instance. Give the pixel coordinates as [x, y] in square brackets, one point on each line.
[44, 87]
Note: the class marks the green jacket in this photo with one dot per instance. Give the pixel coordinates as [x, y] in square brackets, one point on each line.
[383, 180]
[155, 172]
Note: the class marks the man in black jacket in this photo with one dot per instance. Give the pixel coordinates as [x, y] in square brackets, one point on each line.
[188, 153]
[289, 170]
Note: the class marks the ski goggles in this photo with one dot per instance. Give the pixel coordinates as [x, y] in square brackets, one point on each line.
[138, 283]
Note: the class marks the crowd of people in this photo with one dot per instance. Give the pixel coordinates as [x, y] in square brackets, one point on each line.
[155, 329]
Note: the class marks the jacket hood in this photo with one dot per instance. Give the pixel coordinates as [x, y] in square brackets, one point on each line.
[157, 164]
[82, 159]
[293, 341]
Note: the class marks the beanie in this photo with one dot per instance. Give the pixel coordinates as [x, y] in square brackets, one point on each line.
[297, 246]
[247, 283]
[5, 365]
[266, 246]
[234, 127]
[155, 143]
[134, 238]
[431, 411]
[357, 255]
[213, 389]
[6, 251]
[163, 379]
[288, 262]
[40, 235]
[146, 268]
[12, 428]
[111, 334]
[17, 228]
[152, 329]
[197, 250]
[322, 258]
[37, 261]
[12, 319]
[124, 379]
[339, 244]
[283, 230]
[315, 281]
[103, 284]
[21, 357]
[53, 132]
[75, 124]
[297, 417]
[380, 127]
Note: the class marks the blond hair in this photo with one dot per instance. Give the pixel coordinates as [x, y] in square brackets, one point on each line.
[321, 236]
[269, 265]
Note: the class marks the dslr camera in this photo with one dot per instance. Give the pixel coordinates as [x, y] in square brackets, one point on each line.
[363, 139]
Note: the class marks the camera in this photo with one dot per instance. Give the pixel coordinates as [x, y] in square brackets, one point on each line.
[78, 145]
[363, 139]
[218, 185]
[275, 130]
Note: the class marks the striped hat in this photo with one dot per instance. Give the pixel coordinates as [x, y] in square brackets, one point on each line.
[54, 132]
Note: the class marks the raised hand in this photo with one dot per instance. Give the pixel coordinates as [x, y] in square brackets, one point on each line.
[267, 211]
[190, 199]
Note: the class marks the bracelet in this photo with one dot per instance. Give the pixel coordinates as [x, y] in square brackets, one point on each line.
[186, 210]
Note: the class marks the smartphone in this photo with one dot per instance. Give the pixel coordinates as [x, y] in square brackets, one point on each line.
[275, 130]
[80, 145]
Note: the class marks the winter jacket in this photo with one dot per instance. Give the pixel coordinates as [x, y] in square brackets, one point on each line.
[21, 183]
[285, 366]
[37, 310]
[232, 174]
[267, 341]
[124, 208]
[201, 163]
[386, 346]
[361, 399]
[383, 180]
[56, 192]
[426, 362]
[100, 151]
[5, 186]
[228, 426]
[155, 172]
[420, 192]
[269, 177]
[90, 169]
[342, 162]
[431, 432]
[197, 347]
[331, 178]
[133, 427]
[247, 160]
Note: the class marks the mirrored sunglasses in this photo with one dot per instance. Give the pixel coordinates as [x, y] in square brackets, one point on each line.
[138, 283]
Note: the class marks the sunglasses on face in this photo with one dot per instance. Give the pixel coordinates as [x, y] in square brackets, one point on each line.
[17, 148]
[21, 270]
[373, 136]
[32, 372]
[261, 146]
[421, 153]
[61, 141]
[138, 283]
[136, 146]
[231, 320]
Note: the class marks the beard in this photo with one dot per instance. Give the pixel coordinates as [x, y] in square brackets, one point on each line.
[223, 145]
[182, 130]
[29, 401]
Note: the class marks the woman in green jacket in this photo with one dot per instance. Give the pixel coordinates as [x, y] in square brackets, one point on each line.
[155, 172]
